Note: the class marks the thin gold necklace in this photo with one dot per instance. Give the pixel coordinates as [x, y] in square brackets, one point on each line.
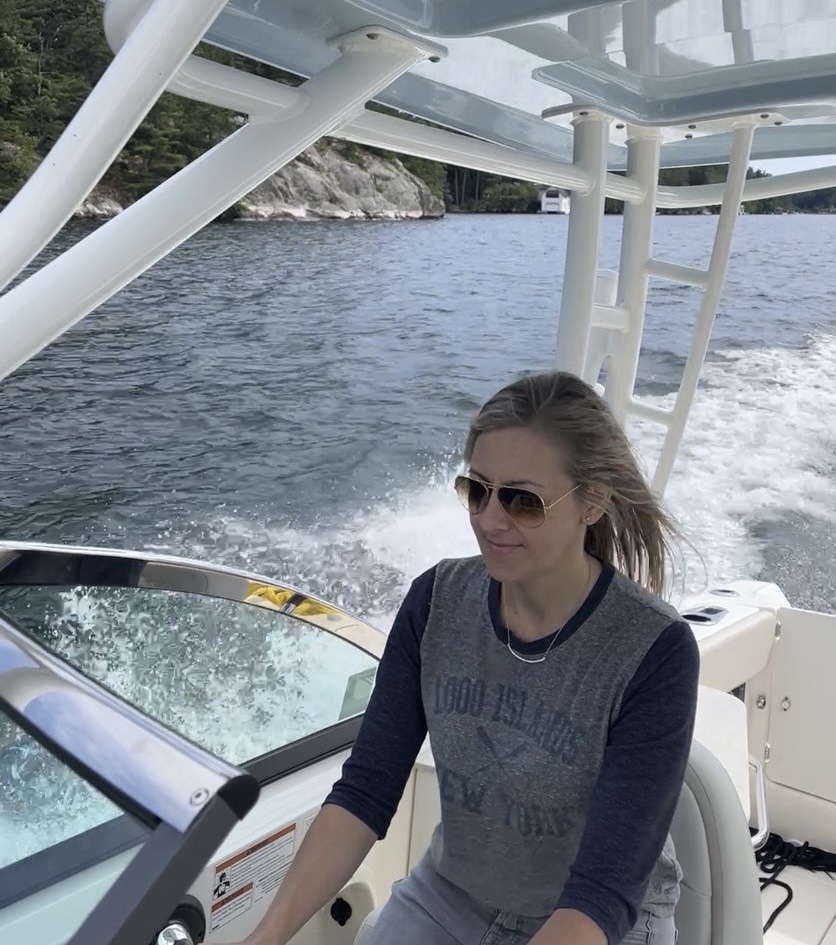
[542, 657]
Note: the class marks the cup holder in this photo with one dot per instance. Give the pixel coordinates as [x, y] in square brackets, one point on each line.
[724, 592]
[705, 615]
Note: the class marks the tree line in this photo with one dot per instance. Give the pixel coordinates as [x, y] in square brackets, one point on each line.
[52, 52]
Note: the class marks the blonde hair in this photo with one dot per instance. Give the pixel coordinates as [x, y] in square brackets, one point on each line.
[635, 533]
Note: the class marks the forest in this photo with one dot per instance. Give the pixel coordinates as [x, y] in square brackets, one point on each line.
[53, 51]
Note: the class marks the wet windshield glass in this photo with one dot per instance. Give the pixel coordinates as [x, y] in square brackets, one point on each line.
[43, 802]
[237, 679]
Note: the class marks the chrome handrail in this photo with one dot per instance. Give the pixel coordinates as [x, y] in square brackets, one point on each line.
[760, 837]
[109, 742]
[46, 565]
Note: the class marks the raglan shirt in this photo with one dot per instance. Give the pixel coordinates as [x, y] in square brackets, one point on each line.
[558, 779]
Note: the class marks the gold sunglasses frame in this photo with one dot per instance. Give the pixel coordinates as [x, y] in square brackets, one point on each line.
[494, 487]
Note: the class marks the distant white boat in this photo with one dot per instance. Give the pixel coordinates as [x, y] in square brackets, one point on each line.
[554, 200]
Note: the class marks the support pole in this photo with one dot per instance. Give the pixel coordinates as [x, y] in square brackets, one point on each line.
[586, 213]
[636, 250]
[735, 182]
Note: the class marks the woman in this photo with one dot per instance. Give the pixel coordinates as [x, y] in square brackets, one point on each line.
[559, 695]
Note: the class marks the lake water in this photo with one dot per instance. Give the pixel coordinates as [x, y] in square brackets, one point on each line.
[292, 398]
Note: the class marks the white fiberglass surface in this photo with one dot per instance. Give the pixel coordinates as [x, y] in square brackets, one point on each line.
[776, 28]
[810, 918]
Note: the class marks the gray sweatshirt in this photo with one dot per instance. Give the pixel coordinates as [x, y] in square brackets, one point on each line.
[558, 780]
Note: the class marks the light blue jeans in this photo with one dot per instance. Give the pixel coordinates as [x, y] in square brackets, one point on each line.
[424, 909]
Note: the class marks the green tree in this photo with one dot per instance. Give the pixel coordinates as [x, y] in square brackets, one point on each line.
[432, 173]
[507, 196]
[18, 83]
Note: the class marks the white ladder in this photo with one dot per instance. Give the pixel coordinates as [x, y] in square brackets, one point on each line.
[602, 312]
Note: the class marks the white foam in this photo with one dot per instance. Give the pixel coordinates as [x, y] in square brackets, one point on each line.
[364, 564]
[417, 530]
[753, 449]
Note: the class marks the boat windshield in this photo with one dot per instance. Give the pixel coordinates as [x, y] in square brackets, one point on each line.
[241, 678]
[42, 803]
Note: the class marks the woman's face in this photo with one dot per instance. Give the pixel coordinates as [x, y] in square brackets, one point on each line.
[524, 458]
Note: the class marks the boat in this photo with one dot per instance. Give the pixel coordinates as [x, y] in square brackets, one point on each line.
[167, 842]
[553, 200]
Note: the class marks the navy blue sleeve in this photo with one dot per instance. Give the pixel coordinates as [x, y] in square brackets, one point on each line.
[639, 785]
[394, 725]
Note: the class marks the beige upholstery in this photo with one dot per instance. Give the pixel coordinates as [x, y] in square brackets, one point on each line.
[720, 902]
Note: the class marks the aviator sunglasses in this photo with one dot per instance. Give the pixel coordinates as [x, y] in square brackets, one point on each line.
[523, 506]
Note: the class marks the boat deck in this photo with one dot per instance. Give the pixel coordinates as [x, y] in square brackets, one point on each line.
[810, 919]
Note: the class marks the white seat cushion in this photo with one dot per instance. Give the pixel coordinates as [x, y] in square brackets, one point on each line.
[721, 901]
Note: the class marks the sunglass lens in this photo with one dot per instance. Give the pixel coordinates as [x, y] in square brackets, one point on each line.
[472, 494]
[523, 506]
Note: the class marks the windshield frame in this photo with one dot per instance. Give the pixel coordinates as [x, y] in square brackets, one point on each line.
[25, 564]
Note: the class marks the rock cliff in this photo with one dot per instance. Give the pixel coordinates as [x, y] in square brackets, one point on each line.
[328, 181]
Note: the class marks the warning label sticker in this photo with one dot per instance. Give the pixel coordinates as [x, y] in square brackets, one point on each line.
[244, 879]
[230, 907]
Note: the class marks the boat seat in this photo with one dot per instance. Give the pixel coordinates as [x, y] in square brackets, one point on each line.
[720, 902]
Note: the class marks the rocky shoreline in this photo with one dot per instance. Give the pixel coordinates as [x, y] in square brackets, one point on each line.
[325, 182]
